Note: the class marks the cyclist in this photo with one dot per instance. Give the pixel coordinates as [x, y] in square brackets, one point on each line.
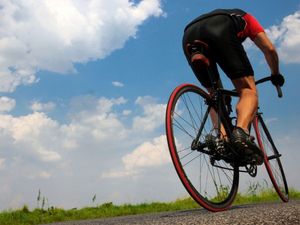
[221, 34]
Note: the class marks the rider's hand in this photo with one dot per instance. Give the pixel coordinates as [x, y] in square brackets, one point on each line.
[277, 79]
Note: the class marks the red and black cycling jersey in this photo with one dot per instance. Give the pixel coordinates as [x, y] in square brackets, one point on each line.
[246, 24]
[252, 27]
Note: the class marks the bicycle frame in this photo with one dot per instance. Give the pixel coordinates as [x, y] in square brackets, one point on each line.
[223, 107]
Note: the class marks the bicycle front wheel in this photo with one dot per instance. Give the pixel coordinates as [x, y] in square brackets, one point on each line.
[212, 183]
[271, 158]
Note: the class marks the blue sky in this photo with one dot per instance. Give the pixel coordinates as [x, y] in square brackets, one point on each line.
[84, 86]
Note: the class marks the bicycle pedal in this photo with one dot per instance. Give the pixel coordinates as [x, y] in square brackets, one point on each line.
[252, 160]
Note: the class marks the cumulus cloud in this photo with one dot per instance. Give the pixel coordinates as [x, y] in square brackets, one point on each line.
[153, 114]
[117, 84]
[53, 35]
[98, 137]
[2, 163]
[93, 122]
[98, 125]
[7, 104]
[34, 134]
[286, 36]
[148, 154]
[126, 112]
[40, 107]
[40, 175]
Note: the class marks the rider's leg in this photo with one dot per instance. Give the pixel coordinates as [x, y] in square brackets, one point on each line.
[246, 109]
[248, 102]
[215, 120]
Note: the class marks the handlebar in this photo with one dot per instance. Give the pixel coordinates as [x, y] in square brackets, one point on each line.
[278, 88]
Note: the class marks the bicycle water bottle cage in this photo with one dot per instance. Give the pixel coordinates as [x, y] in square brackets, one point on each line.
[198, 51]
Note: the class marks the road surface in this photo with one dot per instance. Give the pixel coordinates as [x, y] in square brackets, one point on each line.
[263, 213]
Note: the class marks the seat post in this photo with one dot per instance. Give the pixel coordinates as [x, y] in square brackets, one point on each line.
[216, 82]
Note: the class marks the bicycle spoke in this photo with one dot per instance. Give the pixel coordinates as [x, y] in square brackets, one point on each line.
[191, 160]
[189, 112]
[195, 109]
[186, 155]
[184, 149]
[179, 126]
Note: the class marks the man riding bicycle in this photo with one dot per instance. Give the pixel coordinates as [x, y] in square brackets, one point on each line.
[221, 34]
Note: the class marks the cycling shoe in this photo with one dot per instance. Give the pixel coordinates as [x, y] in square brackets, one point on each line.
[246, 148]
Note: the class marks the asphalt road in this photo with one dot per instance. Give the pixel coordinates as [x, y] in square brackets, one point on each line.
[268, 213]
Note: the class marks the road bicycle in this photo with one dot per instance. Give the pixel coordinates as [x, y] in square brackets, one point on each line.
[206, 163]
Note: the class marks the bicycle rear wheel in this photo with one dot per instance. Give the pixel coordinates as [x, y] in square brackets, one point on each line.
[271, 158]
[213, 185]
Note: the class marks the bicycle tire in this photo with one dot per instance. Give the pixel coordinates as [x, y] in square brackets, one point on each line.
[212, 187]
[271, 158]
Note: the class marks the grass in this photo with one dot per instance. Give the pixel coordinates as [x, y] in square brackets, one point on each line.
[24, 216]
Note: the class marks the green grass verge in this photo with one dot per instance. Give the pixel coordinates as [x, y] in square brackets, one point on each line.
[38, 216]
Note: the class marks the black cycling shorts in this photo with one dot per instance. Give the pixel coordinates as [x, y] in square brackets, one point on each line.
[225, 49]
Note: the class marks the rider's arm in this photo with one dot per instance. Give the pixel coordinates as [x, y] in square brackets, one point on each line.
[265, 45]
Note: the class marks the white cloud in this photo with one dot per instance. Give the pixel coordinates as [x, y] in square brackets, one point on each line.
[126, 112]
[7, 104]
[47, 140]
[153, 115]
[2, 163]
[286, 36]
[53, 35]
[40, 107]
[148, 154]
[118, 173]
[40, 175]
[105, 105]
[98, 123]
[271, 120]
[288, 145]
[97, 138]
[117, 84]
[34, 134]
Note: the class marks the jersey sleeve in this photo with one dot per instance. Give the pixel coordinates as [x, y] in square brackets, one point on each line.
[253, 26]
